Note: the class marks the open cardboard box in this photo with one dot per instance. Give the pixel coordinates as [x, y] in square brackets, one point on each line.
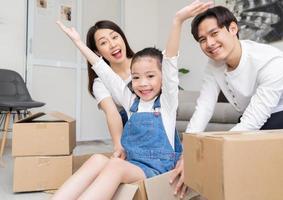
[235, 165]
[154, 188]
[44, 134]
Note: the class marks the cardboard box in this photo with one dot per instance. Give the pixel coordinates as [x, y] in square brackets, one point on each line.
[44, 134]
[235, 166]
[38, 173]
[154, 188]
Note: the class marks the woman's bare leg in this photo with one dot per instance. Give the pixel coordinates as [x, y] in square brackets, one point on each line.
[115, 172]
[82, 179]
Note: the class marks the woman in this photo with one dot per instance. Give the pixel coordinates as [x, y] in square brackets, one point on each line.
[107, 39]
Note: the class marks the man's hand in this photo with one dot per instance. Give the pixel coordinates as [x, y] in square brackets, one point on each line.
[178, 176]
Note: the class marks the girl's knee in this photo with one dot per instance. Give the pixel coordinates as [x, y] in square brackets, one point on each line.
[97, 158]
[117, 163]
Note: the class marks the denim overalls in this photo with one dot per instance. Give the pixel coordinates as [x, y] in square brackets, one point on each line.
[146, 143]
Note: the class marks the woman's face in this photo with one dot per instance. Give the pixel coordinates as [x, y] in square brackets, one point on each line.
[110, 45]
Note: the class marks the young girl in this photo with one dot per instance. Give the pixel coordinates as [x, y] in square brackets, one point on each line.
[108, 40]
[149, 138]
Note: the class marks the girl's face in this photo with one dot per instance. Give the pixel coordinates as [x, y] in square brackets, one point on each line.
[146, 78]
[110, 45]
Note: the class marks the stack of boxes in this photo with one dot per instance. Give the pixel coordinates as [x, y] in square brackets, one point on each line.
[42, 149]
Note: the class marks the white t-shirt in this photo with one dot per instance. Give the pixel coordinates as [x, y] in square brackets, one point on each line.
[254, 88]
[101, 92]
[168, 97]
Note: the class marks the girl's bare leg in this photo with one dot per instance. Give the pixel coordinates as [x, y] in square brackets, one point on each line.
[115, 172]
[81, 180]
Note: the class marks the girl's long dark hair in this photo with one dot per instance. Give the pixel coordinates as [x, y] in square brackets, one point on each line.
[90, 41]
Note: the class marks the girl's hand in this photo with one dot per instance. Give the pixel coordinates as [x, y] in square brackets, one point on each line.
[178, 176]
[193, 9]
[70, 32]
[119, 153]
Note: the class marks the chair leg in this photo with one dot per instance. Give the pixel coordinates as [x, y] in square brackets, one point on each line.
[18, 116]
[2, 117]
[6, 127]
[29, 113]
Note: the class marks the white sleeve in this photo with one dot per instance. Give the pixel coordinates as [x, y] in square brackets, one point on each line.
[100, 92]
[114, 83]
[170, 83]
[266, 97]
[205, 103]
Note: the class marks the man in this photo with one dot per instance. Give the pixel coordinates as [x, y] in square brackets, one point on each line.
[249, 74]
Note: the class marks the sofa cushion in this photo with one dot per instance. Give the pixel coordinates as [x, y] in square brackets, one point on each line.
[223, 118]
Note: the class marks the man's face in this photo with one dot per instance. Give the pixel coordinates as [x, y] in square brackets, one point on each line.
[217, 43]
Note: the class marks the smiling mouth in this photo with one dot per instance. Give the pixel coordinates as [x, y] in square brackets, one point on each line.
[214, 50]
[145, 92]
[116, 53]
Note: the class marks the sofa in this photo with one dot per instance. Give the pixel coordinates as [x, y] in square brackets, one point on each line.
[223, 119]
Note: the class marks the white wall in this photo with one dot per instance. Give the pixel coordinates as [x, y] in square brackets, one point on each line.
[12, 35]
[141, 23]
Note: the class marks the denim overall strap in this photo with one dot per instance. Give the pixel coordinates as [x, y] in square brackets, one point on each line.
[135, 105]
[157, 103]
[124, 116]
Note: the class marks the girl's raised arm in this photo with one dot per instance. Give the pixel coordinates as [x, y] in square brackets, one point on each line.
[182, 15]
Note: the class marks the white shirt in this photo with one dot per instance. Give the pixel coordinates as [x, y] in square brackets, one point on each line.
[101, 92]
[254, 88]
[168, 97]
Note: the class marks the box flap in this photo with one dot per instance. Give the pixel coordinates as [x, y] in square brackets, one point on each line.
[47, 117]
[125, 192]
[248, 135]
[30, 118]
[161, 183]
[238, 134]
[61, 116]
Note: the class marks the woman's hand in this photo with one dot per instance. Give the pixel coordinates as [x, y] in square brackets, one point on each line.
[75, 37]
[70, 32]
[193, 9]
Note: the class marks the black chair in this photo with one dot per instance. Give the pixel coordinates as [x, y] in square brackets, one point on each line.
[14, 100]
